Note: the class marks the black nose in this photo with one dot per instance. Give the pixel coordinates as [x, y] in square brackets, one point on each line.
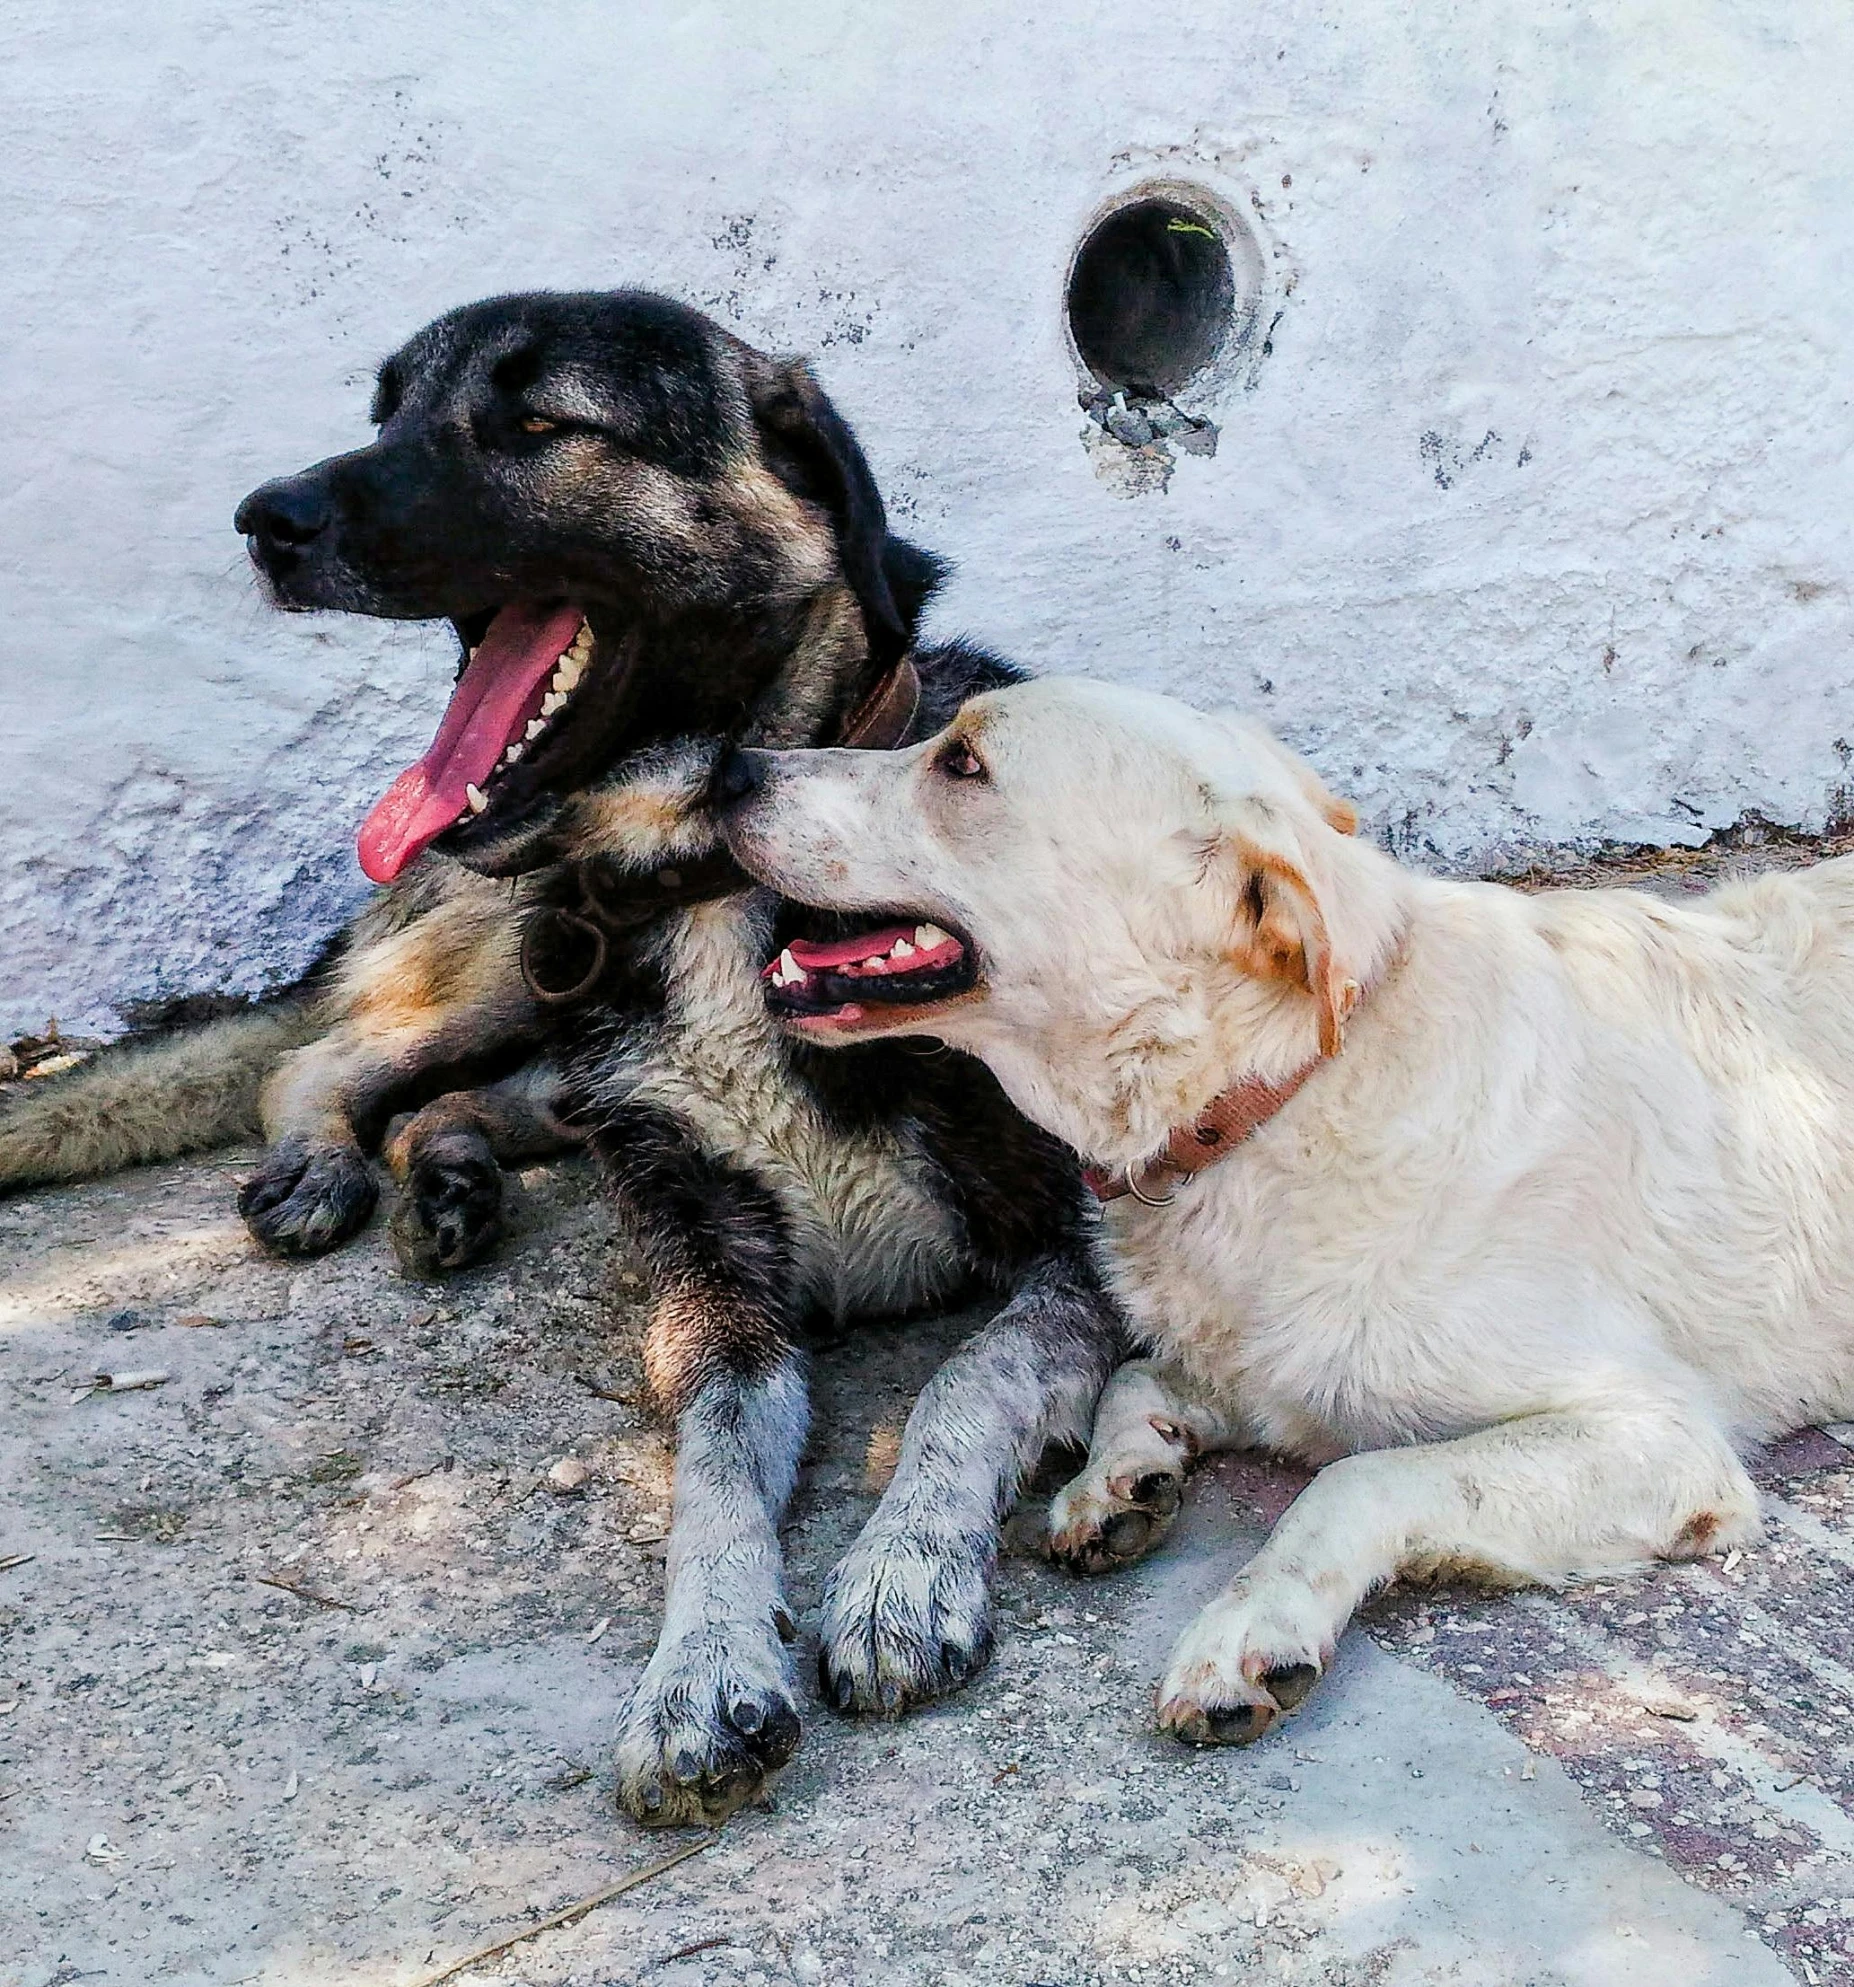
[291, 511]
[740, 774]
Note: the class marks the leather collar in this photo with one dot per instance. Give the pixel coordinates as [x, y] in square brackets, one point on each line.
[884, 720]
[1232, 1117]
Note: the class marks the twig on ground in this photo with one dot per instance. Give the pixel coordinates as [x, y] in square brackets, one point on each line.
[419, 1476]
[306, 1593]
[15, 1559]
[566, 1915]
[605, 1393]
[700, 1946]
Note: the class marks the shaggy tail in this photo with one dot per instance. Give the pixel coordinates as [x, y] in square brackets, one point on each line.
[140, 1101]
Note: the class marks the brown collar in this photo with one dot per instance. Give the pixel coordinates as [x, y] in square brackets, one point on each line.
[883, 720]
[1230, 1118]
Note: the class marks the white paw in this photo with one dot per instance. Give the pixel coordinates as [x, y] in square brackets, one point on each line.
[1118, 1509]
[1252, 1655]
[712, 1720]
[907, 1616]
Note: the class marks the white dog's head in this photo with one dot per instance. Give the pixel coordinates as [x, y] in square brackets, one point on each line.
[1120, 903]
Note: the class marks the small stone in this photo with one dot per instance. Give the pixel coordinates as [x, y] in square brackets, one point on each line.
[128, 1321]
[568, 1477]
[1127, 426]
[9, 1065]
[1200, 439]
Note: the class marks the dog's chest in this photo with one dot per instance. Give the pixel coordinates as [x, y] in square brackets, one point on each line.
[1318, 1351]
[872, 1233]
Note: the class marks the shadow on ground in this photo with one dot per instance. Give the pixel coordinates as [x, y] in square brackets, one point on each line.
[309, 1680]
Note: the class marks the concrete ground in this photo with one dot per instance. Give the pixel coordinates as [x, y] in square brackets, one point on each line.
[308, 1679]
[208, 1777]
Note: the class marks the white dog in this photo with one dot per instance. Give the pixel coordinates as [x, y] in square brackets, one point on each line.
[1517, 1213]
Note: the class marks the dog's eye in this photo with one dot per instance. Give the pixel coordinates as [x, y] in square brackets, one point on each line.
[533, 424]
[959, 762]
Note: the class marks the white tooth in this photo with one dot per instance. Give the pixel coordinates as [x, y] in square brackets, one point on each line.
[551, 703]
[901, 949]
[511, 755]
[473, 655]
[581, 644]
[790, 967]
[477, 798]
[571, 669]
[535, 727]
[928, 936]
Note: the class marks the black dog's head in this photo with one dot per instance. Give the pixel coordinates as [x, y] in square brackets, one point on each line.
[578, 482]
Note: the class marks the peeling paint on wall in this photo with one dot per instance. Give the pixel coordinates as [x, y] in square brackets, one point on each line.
[1528, 512]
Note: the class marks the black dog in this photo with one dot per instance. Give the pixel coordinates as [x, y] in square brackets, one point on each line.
[655, 543]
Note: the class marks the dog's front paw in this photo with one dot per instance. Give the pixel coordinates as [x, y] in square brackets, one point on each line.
[450, 1205]
[305, 1199]
[1100, 1522]
[907, 1617]
[712, 1721]
[1123, 1502]
[1253, 1655]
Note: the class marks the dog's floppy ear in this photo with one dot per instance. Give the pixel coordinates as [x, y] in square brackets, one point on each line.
[810, 448]
[1281, 934]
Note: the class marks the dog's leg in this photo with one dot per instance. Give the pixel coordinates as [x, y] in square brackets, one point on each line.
[1152, 1424]
[448, 1160]
[1537, 1501]
[431, 981]
[714, 1715]
[907, 1611]
[313, 1189]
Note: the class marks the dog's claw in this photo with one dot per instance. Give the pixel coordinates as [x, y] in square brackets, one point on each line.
[1291, 1685]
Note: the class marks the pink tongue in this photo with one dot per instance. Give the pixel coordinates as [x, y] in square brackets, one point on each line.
[492, 697]
[847, 951]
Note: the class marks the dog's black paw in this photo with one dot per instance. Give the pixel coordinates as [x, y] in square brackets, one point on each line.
[906, 1618]
[450, 1206]
[712, 1722]
[304, 1199]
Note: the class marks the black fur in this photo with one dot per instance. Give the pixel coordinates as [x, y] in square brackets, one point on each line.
[653, 502]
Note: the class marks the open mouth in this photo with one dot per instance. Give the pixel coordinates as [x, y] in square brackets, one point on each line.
[865, 977]
[515, 692]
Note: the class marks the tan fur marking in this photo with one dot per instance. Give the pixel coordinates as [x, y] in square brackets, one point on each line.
[1290, 942]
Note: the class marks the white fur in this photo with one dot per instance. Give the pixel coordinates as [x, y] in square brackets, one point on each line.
[1567, 1218]
[725, 1625]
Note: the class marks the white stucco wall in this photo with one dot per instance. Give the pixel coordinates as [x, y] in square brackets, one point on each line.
[1532, 526]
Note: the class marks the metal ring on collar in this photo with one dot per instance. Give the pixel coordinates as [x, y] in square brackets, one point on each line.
[559, 996]
[1147, 1200]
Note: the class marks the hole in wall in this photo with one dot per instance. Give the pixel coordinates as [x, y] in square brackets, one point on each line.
[1151, 297]
[1161, 300]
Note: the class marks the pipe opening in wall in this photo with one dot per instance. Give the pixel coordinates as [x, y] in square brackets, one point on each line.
[1151, 297]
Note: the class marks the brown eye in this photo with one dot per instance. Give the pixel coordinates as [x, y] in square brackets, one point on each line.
[532, 424]
[960, 762]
